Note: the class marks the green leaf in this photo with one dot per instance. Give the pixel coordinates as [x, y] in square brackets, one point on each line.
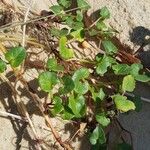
[58, 107]
[69, 20]
[102, 138]
[97, 95]
[2, 66]
[83, 4]
[68, 85]
[51, 63]
[103, 65]
[121, 69]
[15, 56]
[77, 25]
[101, 26]
[104, 13]
[76, 105]
[81, 88]
[56, 9]
[97, 135]
[78, 35]
[128, 83]
[67, 114]
[123, 104]
[81, 73]
[102, 119]
[94, 136]
[109, 47]
[65, 3]
[65, 52]
[135, 68]
[47, 80]
[142, 78]
[53, 66]
[79, 16]
[101, 94]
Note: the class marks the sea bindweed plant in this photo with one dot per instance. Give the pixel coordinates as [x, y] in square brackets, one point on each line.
[84, 91]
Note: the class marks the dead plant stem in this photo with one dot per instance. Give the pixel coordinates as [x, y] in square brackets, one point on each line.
[3, 113]
[18, 23]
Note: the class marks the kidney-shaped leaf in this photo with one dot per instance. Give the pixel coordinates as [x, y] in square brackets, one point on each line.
[128, 83]
[47, 80]
[15, 56]
[123, 104]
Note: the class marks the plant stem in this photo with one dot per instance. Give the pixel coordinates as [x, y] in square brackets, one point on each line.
[3, 113]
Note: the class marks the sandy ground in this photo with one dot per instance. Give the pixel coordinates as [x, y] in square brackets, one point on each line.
[132, 20]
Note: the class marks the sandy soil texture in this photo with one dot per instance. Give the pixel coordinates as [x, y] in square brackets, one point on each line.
[132, 19]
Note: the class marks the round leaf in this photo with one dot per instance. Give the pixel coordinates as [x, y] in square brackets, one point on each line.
[47, 80]
[15, 56]
[128, 83]
[81, 88]
[123, 104]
